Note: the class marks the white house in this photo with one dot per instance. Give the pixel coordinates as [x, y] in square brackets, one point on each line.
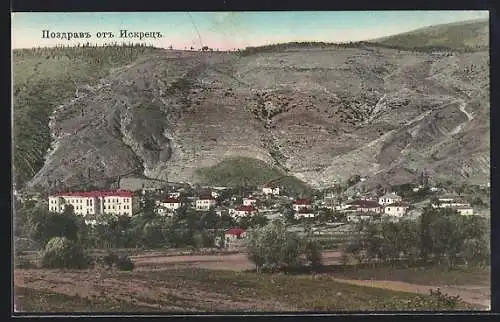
[450, 202]
[168, 205]
[304, 213]
[465, 210]
[244, 211]
[387, 199]
[301, 204]
[250, 201]
[365, 206]
[205, 203]
[234, 237]
[118, 202]
[397, 209]
[175, 195]
[271, 189]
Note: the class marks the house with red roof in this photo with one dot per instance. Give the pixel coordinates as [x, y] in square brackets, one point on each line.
[301, 204]
[244, 211]
[205, 202]
[117, 202]
[234, 237]
[304, 213]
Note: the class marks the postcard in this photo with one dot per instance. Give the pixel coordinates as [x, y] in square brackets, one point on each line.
[238, 162]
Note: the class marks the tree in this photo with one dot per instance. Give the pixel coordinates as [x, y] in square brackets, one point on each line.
[289, 214]
[43, 225]
[272, 247]
[60, 252]
[353, 180]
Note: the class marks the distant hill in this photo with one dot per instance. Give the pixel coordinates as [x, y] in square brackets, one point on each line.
[472, 35]
[315, 112]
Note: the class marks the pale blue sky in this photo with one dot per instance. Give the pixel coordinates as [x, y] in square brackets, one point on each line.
[227, 30]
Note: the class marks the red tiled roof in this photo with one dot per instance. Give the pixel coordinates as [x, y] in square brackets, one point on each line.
[365, 203]
[206, 198]
[234, 231]
[171, 200]
[95, 194]
[302, 202]
[246, 208]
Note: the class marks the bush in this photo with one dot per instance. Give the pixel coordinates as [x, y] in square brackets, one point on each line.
[122, 263]
[125, 264]
[110, 259]
[436, 301]
[60, 252]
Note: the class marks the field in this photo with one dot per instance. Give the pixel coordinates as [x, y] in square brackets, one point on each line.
[214, 283]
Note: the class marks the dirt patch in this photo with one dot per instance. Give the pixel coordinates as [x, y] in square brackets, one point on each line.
[480, 295]
[164, 295]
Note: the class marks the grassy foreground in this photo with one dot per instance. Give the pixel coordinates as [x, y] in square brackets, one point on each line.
[177, 290]
[426, 275]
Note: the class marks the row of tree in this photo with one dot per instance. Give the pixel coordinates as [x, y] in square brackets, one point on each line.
[441, 236]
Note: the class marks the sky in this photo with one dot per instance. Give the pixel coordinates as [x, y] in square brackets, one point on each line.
[228, 30]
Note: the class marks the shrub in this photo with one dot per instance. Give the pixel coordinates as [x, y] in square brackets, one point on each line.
[60, 252]
[110, 259]
[122, 263]
[125, 264]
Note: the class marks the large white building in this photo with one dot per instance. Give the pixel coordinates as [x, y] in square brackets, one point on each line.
[118, 202]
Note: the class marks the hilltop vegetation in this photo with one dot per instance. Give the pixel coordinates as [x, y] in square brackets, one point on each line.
[241, 171]
[470, 35]
[47, 77]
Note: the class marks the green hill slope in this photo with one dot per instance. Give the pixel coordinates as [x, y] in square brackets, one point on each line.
[47, 77]
[241, 171]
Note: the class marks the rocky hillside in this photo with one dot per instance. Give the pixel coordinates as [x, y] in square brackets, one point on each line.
[320, 113]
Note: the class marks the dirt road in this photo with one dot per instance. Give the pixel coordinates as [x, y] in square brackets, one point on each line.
[235, 262]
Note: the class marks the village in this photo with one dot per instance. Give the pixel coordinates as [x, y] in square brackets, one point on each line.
[330, 213]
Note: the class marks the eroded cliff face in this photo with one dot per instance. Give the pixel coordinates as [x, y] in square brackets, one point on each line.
[322, 114]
